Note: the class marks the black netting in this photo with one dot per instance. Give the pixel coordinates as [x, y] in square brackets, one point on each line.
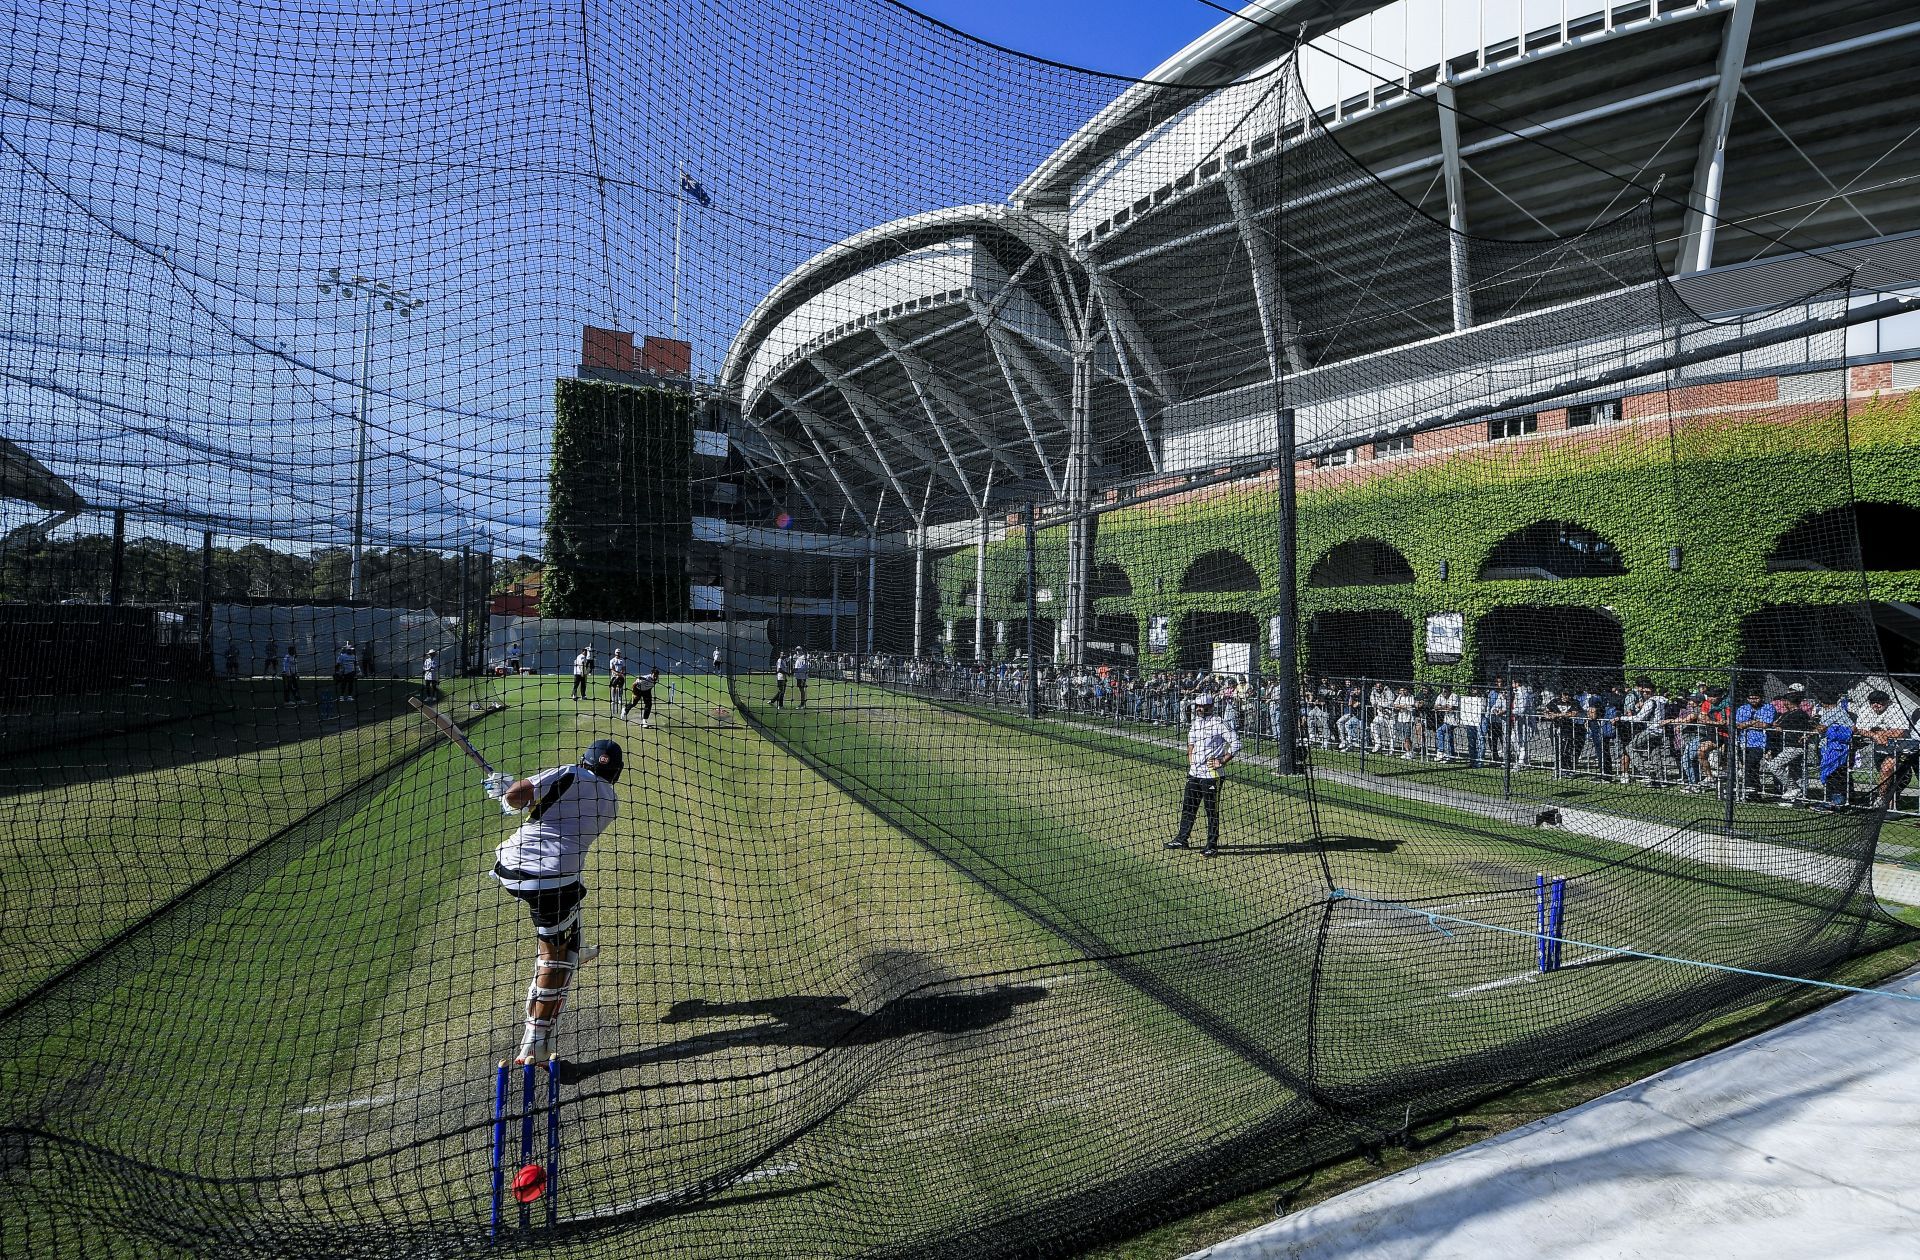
[951, 478]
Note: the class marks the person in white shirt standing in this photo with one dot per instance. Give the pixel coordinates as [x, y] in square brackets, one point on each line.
[582, 662]
[346, 672]
[1211, 744]
[430, 675]
[541, 864]
[780, 681]
[616, 678]
[800, 667]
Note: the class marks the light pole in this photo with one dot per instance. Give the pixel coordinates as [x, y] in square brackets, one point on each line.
[380, 295]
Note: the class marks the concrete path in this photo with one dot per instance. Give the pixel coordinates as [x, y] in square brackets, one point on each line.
[1797, 1143]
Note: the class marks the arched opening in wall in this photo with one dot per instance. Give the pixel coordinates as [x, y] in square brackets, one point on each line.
[1114, 639]
[1876, 537]
[1361, 562]
[1199, 631]
[1110, 581]
[1858, 638]
[1015, 647]
[1373, 644]
[1552, 646]
[1217, 571]
[1551, 551]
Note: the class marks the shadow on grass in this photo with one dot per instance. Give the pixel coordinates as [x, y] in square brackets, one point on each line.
[818, 1021]
[1327, 844]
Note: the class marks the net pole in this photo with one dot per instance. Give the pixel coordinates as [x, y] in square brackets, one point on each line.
[1033, 611]
[1506, 744]
[206, 599]
[115, 590]
[360, 457]
[1287, 613]
[1730, 756]
[466, 606]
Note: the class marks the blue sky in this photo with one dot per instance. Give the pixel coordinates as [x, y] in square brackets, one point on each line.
[1127, 37]
[177, 178]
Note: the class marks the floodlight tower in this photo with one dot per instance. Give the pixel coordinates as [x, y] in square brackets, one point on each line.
[380, 295]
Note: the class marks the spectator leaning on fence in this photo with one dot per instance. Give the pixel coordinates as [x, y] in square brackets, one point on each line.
[1895, 748]
[1750, 722]
[1793, 726]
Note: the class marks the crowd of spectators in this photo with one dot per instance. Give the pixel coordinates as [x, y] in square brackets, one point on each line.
[1823, 746]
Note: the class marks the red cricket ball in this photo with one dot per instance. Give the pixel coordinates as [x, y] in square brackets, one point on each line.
[529, 1183]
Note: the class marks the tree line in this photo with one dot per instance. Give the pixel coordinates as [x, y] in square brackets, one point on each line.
[154, 571]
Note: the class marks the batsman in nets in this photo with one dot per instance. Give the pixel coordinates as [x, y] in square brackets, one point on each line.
[541, 864]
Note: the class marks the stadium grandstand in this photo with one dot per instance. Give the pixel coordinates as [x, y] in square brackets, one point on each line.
[1042, 348]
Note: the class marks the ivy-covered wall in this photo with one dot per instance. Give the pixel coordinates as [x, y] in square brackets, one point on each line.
[1721, 488]
[620, 515]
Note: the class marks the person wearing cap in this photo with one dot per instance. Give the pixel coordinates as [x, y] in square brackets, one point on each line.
[1211, 744]
[1793, 726]
[541, 864]
[1750, 722]
[430, 675]
[1895, 750]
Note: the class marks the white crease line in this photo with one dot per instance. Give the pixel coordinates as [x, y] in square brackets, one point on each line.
[668, 1196]
[1504, 981]
[350, 1104]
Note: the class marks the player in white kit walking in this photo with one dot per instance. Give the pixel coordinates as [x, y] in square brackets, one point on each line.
[541, 864]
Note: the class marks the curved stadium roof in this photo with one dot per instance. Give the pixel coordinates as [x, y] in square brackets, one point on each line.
[920, 368]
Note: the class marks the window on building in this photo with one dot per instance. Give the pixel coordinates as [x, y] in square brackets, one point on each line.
[1402, 445]
[1335, 459]
[1512, 426]
[1607, 411]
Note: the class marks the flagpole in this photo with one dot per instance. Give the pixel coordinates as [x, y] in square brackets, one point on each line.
[679, 209]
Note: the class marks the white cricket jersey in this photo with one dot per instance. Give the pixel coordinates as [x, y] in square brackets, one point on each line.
[549, 849]
[1209, 738]
[430, 668]
[580, 663]
[800, 666]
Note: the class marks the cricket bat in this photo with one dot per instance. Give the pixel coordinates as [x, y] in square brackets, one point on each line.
[452, 732]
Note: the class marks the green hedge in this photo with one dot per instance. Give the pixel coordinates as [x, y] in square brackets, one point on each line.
[1722, 488]
[620, 514]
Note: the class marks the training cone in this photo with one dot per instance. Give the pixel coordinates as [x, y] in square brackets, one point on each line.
[529, 1183]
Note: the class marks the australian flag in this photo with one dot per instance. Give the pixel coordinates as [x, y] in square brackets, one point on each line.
[691, 186]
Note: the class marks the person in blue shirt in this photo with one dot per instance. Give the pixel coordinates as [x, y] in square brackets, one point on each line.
[1750, 722]
[1836, 753]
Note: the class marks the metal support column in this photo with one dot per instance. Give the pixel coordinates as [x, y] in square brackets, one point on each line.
[873, 578]
[1080, 526]
[1456, 206]
[833, 609]
[919, 587]
[1710, 168]
[1033, 611]
[980, 649]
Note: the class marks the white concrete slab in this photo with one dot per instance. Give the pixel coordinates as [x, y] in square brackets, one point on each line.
[1798, 1142]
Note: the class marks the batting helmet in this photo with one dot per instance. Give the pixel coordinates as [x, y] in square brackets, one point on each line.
[604, 758]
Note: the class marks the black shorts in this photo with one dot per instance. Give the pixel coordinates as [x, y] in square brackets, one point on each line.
[555, 911]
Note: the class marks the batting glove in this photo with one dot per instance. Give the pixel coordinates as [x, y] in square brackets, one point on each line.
[497, 785]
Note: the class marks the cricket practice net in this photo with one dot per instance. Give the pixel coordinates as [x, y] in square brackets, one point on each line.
[1146, 661]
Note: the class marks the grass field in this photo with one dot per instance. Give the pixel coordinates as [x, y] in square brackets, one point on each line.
[981, 986]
